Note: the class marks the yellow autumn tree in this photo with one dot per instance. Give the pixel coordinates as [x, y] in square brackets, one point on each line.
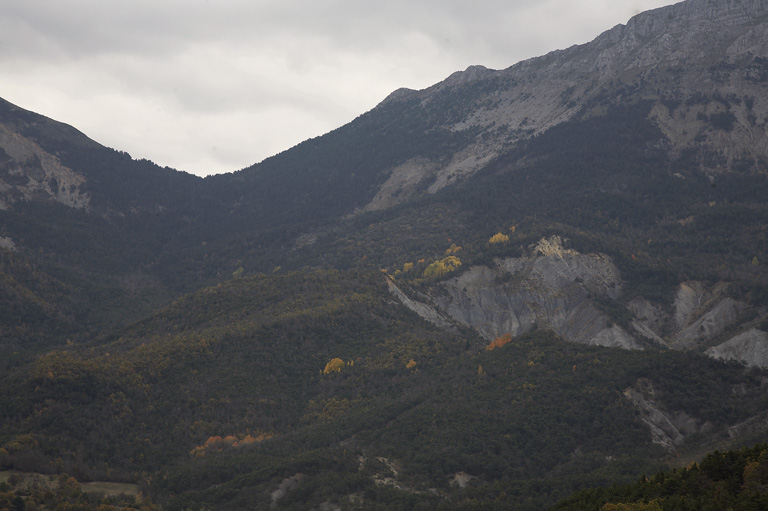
[498, 238]
[452, 249]
[334, 366]
[411, 364]
[442, 267]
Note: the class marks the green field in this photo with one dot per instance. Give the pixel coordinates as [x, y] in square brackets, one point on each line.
[110, 489]
[29, 480]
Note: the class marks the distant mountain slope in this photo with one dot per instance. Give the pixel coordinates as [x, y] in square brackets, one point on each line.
[322, 376]
[708, 55]
[702, 64]
[641, 144]
[245, 340]
[43, 158]
[722, 480]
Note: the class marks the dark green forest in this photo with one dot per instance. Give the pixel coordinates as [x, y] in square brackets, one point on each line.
[527, 422]
[219, 397]
[236, 341]
[722, 480]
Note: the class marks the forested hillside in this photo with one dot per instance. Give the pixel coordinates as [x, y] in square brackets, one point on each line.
[722, 480]
[488, 294]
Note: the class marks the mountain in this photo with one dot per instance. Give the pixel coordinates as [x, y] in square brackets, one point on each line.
[725, 480]
[698, 62]
[493, 291]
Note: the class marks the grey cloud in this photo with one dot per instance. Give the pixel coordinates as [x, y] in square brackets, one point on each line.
[282, 70]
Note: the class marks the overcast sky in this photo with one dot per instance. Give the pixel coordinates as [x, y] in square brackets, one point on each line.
[211, 86]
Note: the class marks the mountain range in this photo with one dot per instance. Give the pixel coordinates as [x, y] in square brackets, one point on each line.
[500, 289]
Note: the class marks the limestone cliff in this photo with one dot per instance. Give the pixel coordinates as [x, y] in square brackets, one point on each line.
[702, 64]
[669, 428]
[551, 288]
[560, 289]
[750, 347]
[28, 172]
[30, 163]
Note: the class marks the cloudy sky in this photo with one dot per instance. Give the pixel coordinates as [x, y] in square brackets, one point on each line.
[211, 86]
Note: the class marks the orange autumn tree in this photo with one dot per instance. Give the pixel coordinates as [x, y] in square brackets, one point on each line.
[217, 443]
[499, 342]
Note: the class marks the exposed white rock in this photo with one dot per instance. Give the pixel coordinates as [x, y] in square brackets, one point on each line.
[7, 243]
[690, 296]
[648, 319]
[668, 428]
[461, 479]
[711, 323]
[615, 337]
[755, 424]
[537, 94]
[750, 347]
[663, 432]
[644, 331]
[285, 486]
[402, 184]
[29, 172]
[550, 289]
[462, 165]
[554, 288]
[422, 309]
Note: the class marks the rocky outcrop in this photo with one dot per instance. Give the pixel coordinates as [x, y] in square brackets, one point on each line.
[689, 297]
[668, 428]
[403, 181]
[648, 320]
[698, 314]
[561, 289]
[27, 172]
[552, 288]
[709, 324]
[750, 348]
[422, 309]
[707, 56]
[7, 243]
[285, 486]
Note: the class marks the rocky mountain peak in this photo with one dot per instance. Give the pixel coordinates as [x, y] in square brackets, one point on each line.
[682, 32]
[471, 74]
[728, 12]
[684, 50]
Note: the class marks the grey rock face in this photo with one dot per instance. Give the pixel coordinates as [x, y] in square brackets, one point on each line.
[557, 288]
[698, 48]
[669, 428]
[28, 172]
[750, 347]
[552, 289]
[422, 309]
[709, 324]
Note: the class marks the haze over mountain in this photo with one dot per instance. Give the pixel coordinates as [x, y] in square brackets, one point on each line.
[503, 287]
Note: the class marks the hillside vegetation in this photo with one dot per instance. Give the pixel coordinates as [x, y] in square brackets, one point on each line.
[412, 311]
